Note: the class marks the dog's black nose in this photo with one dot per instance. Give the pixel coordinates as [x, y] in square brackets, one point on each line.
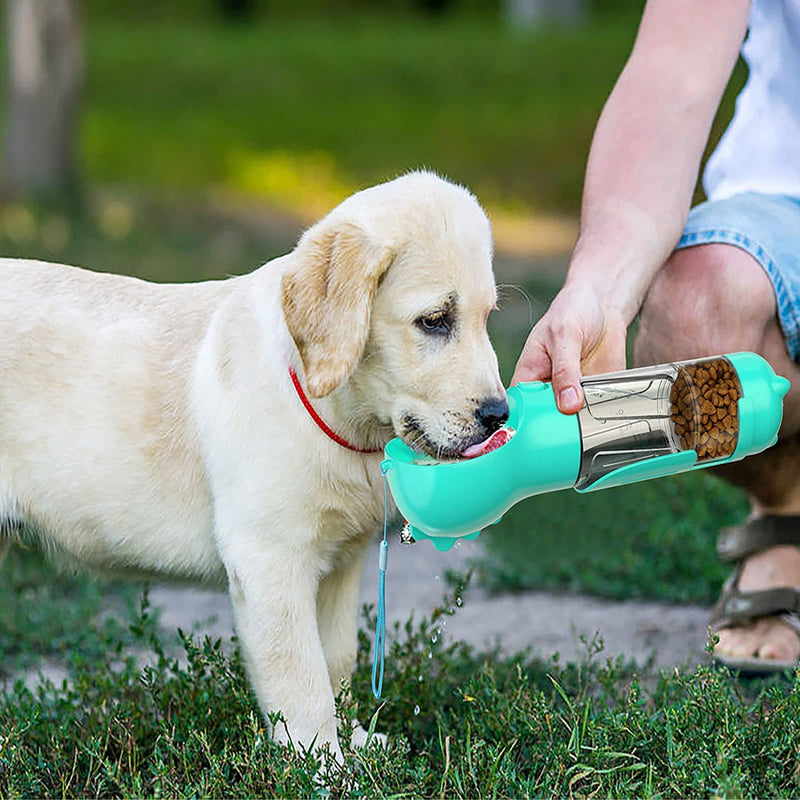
[492, 413]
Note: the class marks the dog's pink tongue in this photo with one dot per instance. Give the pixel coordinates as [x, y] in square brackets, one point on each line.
[497, 439]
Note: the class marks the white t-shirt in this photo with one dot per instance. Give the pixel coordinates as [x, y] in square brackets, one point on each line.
[760, 150]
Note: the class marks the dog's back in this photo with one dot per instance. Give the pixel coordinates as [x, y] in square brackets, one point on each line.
[97, 451]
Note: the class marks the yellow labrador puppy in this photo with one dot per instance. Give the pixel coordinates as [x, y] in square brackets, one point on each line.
[168, 429]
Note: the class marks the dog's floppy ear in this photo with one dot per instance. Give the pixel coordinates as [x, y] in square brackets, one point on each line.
[327, 300]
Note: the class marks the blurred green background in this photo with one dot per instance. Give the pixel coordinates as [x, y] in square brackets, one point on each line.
[209, 132]
[297, 104]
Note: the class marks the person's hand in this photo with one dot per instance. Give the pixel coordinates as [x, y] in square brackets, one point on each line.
[581, 333]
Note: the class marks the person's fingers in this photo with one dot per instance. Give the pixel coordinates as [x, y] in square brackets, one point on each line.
[565, 355]
[574, 337]
[534, 362]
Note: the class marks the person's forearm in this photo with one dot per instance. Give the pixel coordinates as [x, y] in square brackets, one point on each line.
[647, 146]
[639, 180]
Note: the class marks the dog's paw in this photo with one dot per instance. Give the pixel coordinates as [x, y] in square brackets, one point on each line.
[359, 738]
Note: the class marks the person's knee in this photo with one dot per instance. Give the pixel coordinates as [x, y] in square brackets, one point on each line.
[706, 300]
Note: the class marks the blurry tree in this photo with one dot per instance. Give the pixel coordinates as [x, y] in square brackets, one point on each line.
[45, 71]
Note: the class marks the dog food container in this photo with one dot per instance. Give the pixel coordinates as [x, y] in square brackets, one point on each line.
[634, 425]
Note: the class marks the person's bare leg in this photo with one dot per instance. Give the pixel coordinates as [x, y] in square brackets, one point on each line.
[715, 299]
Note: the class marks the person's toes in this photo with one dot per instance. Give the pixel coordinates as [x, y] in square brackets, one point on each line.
[780, 643]
[738, 642]
[768, 639]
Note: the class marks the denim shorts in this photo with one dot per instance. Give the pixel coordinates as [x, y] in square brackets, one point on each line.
[768, 228]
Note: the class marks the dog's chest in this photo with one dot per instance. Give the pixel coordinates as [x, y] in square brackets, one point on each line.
[350, 512]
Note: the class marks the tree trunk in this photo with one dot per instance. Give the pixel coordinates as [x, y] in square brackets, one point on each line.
[45, 73]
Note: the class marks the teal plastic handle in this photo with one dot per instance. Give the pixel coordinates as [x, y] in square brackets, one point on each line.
[645, 470]
[449, 500]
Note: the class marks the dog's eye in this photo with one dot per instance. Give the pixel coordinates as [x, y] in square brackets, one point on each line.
[439, 322]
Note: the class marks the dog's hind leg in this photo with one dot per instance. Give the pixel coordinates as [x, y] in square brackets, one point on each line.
[5, 544]
[337, 620]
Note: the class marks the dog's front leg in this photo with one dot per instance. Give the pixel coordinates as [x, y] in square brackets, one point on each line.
[274, 602]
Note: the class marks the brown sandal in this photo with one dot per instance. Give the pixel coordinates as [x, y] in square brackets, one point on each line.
[736, 608]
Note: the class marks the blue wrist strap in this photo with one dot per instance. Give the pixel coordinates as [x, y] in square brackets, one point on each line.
[380, 628]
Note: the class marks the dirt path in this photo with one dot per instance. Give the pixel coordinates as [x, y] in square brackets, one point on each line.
[547, 623]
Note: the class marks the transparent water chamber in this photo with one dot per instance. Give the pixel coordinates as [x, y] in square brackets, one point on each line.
[640, 414]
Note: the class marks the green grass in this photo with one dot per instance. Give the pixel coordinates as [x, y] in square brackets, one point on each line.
[651, 540]
[346, 102]
[44, 613]
[461, 724]
[295, 110]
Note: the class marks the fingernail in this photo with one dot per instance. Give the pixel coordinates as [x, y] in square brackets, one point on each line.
[567, 398]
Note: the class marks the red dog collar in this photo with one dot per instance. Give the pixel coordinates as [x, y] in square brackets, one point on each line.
[320, 422]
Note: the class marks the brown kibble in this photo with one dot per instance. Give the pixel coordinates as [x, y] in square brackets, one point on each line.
[703, 405]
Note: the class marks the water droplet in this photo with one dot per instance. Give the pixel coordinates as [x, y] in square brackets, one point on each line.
[434, 638]
[430, 655]
[419, 678]
[436, 577]
[416, 710]
[459, 601]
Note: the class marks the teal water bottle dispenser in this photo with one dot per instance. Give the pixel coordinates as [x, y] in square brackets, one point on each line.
[634, 425]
